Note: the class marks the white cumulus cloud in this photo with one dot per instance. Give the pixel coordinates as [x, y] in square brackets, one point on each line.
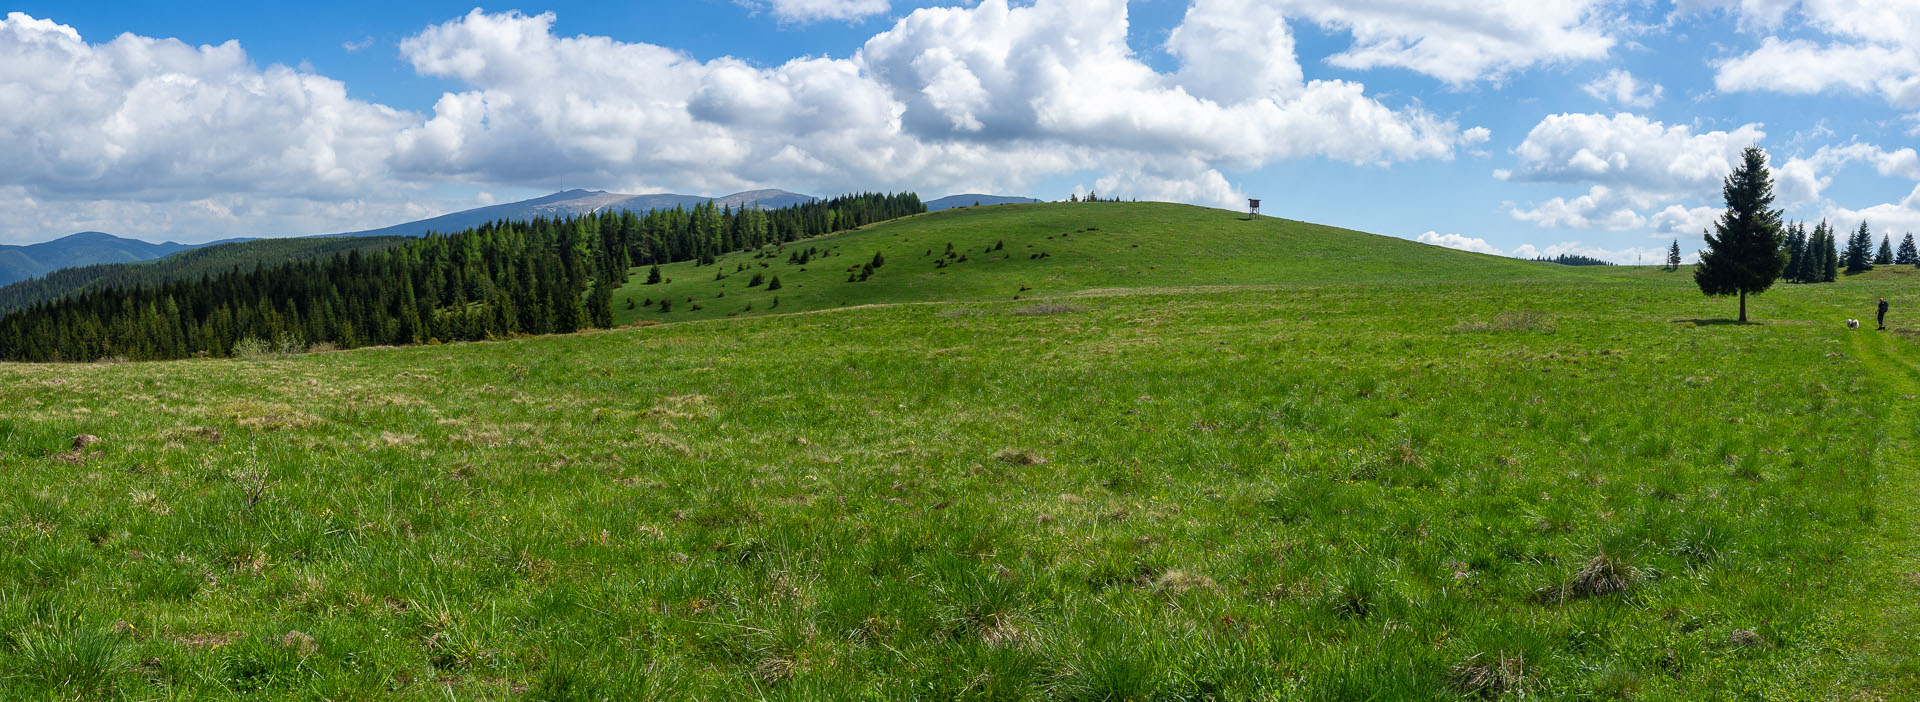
[1641, 174]
[988, 96]
[1622, 88]
[1630, 150]
[1642, 255]
[1459, 241]
[1869, 47]
[1896, 218]
[815, 10]
[144, 118]
[1461, 41]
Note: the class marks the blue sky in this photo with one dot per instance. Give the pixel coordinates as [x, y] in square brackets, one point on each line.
[1511, 126]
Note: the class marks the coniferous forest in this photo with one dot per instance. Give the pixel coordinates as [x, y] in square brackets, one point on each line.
[499, 280]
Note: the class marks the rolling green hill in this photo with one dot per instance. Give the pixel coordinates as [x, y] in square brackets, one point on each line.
[1245, 460]
[186, 265]
[1053, 249]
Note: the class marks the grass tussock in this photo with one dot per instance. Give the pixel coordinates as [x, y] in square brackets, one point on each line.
[1603, 575]
[1490, 677]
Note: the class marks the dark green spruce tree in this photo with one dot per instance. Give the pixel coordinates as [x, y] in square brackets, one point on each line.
[1829, 255]
[1859, 253]
[1884, 257]
[1743, 254]
[1796, 248]
[1908, 254]
[1809, 258]
[1673, 256]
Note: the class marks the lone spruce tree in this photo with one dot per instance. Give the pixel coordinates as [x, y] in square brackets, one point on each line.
[1859, 253]
[1743, 253]
[1673, 256]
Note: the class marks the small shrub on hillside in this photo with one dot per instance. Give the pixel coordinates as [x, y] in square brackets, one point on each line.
[254, 348]
[773, 284]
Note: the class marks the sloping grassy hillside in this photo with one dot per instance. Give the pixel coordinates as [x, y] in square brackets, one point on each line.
[1050, 249]
[185, 265]
[1559, 486]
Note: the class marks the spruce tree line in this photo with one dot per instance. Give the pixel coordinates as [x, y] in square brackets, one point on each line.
[497, 280]
[1811, 257]
[1818, 257]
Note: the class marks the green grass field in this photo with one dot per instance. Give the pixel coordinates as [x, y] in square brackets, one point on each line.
[1091, 247]
[1245, 460]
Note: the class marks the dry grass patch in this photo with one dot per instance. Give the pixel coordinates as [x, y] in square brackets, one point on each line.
[78, 453]
[1019, 457]
[1179, 581]
[1047, 308]
[1490, 677]
[1604, 575]
[300, 642]
[1511, 321]
[200, 434]
[392, 439]
[773, 669]
[209, 640]
[150, 501]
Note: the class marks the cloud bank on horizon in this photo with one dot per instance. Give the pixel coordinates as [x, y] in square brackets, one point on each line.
[141, 134]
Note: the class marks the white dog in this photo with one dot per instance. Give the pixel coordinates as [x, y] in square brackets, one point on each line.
[1853, 324]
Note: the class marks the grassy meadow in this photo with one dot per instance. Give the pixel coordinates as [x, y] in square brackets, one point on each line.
[1201, 458]
[1004, 252]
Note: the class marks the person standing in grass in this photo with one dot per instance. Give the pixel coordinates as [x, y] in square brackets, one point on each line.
[1883, 314]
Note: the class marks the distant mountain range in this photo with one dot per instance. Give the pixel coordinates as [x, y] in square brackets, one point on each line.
[969, 200]
[573, 203]
[83, 249]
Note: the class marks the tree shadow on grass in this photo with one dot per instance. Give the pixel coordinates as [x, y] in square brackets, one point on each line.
[1715, 322]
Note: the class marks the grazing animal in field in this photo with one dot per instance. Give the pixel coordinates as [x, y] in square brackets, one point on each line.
[1853, 324]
